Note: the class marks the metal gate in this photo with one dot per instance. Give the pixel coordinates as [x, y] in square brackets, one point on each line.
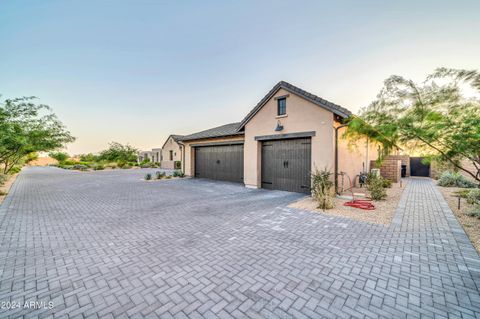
[286, 165]
[221, 162]
[417, 168]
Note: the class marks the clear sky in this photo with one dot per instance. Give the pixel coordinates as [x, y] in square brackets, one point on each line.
[137, 71]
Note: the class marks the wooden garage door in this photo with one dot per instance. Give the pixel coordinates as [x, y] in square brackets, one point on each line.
[222, 162]
[286, 165]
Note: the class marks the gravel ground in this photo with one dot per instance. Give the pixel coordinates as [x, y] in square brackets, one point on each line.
[383, 213]
[471, 225]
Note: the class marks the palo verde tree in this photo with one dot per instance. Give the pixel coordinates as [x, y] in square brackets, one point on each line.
[25, 128]
[435, 118]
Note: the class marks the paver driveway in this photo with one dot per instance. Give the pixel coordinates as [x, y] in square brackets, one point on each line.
[107, 244]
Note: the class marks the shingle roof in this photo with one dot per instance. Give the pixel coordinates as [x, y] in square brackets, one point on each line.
[175, 138]
[334, 108]
[219, 131]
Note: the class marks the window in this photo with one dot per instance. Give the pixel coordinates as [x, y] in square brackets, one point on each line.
[171, 155]
[282, 106]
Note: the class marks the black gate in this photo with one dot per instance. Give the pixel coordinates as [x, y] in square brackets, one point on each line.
[286, 165]
[417, 168]
[222, 162]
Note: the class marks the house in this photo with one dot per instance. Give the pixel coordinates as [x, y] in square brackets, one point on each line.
[156, 155]
[171, 152]
[278, 144]
[145, 155]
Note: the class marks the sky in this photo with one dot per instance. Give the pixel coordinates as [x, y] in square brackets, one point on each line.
[136, 71]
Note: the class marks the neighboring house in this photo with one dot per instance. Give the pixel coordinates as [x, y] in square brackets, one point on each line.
[145, 155]
[156, 154]
[278, 145]
[171, 152]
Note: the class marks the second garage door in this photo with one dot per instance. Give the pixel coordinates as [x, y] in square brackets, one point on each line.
[222, 162]
[286, 165]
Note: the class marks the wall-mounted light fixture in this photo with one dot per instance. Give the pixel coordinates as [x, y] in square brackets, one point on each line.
[279, 126]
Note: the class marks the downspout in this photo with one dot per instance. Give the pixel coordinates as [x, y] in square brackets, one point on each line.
[336, 156]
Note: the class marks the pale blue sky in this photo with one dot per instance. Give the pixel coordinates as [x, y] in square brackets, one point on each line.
[137, 71]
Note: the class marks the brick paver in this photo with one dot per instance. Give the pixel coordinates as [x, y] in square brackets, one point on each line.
[108, 244]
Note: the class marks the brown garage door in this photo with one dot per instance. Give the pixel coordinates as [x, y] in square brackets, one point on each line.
[222, 162]
[286, 165]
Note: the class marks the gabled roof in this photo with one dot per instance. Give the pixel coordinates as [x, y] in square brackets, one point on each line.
[219, 131]
[334, 108]
[175, 138]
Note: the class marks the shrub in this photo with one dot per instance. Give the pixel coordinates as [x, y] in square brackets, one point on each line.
[146, 165]
[15, 170]
[454, 179]
[322, 188]
[121, 163]
[473, 196]
[131, 164]
[375, 185]
[68, 162]
[88, 157]
[386, 183]
[474, 211]
[2, 193]
[98, 167]
[80, 167]
[148, 176]
[59, 156]
[159, 175]
[178, 174]
[3, 178]
[168, 176]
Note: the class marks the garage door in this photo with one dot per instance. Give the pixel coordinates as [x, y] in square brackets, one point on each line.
[222, 162]
[286, 165]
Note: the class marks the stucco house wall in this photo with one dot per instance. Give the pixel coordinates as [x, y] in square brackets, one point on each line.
[302, 116]
[156, 155]
[170, 146]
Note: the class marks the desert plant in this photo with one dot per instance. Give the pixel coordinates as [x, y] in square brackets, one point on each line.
[322, 188]
[159, 175]
[375, 185]
[59, 156]
[2, 193]
[148, 176]
[178, 174]
[473, 196]
[168, 176]
[98, 167]
[386, 183]
[15, 170]
[454, 179]
[80, 167]
[474, 211]
[146, 165]
[68, 162]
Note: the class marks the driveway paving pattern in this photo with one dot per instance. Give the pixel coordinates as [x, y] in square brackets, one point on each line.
[108, 244]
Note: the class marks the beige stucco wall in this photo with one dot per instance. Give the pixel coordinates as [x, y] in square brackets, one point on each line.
[354, 157]
[156, 154]
[170, 145]
[189, 164]
[302, 116]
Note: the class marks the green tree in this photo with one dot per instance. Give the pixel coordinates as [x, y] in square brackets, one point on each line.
[119, 152]
[59, 156]
[434, 118]
[25, 128]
